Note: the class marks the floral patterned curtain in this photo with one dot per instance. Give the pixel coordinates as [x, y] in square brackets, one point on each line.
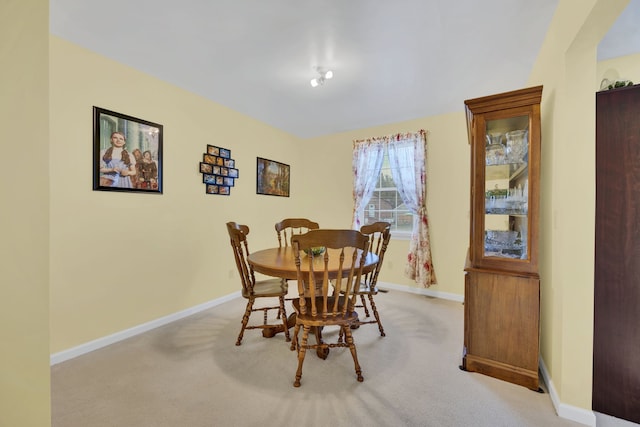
[407, 159]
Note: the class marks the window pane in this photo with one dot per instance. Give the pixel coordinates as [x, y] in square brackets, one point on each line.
[386, 203]
[388, 199]
[404, 221]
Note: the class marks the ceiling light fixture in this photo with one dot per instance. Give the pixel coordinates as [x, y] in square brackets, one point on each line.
[324, 75]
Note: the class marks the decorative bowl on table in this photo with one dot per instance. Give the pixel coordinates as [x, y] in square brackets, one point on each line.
[315, 251]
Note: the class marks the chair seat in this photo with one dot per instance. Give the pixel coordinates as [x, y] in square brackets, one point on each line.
[268, 288]
[365, 288]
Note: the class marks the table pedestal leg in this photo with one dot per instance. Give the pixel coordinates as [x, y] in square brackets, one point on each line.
[271, 331]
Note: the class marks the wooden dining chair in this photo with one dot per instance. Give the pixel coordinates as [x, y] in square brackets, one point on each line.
[289, 227]
[379, 234]
[252, 289]
[317, 306]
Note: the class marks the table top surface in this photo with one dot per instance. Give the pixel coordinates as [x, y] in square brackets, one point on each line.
[280, 262]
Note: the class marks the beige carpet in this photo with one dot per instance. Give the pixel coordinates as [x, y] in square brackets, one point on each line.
[190, 373]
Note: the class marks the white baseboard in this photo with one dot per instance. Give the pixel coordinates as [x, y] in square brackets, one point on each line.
[421, 291]
[573, 413]
[128, 333]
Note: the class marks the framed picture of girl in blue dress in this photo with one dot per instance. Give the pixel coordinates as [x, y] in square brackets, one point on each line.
[127, 153]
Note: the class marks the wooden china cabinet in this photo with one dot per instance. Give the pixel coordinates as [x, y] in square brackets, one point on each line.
[502, 285]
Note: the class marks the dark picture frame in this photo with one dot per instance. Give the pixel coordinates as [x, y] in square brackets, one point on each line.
[213, 150]
[273, 178]
[139, 167]
[218, 170]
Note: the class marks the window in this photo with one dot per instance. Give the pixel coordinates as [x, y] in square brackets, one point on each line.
[386, 204]
[389, 183]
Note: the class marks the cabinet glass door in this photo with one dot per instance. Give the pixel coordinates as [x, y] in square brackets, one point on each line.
[506, 188]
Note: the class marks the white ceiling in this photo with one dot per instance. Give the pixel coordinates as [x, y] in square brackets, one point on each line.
[392, 60]
[623, 37]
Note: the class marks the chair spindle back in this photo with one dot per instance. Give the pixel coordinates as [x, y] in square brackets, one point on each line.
[345, 251]
[289, 227]
[238, 237]
[379, 234]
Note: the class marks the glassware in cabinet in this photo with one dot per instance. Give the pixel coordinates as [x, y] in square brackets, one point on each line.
[504, 131]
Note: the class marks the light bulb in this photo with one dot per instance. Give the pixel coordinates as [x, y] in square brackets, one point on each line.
[314, 82]
[328, 74]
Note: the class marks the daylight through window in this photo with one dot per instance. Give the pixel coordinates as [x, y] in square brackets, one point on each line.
[386, 204]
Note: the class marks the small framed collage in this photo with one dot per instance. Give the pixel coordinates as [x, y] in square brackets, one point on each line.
[218, 170]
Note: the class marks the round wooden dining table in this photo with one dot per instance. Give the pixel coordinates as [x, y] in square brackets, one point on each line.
[280, 262]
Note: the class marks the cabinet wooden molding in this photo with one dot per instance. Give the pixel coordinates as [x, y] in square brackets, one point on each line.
[502, 284]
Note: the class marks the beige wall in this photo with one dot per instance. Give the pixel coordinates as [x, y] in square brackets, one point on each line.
[621, 68]
[567, 68]
[24, 216]
[122, 259]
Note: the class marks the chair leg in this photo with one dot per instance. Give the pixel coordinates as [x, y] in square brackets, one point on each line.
[364, 305]
[352, 348]
[376, 315]
[294, 340]
[245, 320]
[284, 282]
[283, 313]
[302, 350]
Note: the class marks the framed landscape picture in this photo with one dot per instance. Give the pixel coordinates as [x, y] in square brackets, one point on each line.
[272, 178]
[127, 153]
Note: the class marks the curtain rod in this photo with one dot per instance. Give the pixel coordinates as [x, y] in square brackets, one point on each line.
[396, 136]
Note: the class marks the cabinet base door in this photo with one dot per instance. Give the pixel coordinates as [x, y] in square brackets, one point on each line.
[502, 327]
